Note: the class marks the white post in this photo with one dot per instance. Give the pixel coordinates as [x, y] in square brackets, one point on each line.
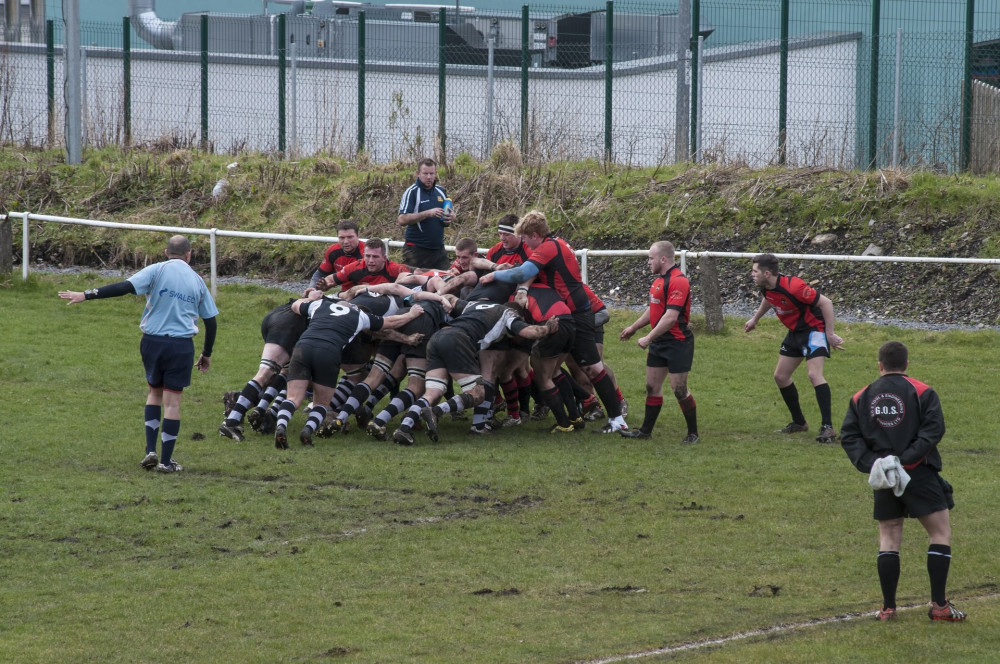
[214, 262]
[24, 246]
[897, 93]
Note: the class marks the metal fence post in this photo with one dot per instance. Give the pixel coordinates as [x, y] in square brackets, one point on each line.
[609, 53]
[204, 82]
[294, 103]
[525, 61]
[281, 83]
[442, 36]
[50, 79]
[783, 87]
[127, 81]
[84, 111]
[695, 29]
[873, 86]
[682, 107]
[965, 152]
[361, 82]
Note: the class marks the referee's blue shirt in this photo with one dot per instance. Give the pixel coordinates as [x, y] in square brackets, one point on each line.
[176, 296]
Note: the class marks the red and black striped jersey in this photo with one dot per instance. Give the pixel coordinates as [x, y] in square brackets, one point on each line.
[796, 304]
[559, 269]
[336, 258]
[544, 303]
[671, 291]
[514, 257]
[357, 273]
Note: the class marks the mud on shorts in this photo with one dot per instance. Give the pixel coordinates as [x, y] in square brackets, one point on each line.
[808, 344]
[676, 355]
[452, 349]
[926, 493]
[319, 364]
[283, 327]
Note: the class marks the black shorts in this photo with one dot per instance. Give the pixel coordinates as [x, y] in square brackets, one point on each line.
[452, 349]
[319, 364]
[805, 344]
[676, 355]
[431, 259]
[584, 345]
[926, 493]
[167, 360]
[556, 344]
[282, 326]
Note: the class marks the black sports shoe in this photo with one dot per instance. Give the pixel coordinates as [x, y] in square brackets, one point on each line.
[793, 427]
[638, 434]
[690, 439]
[150, 461]
[430, 419]
[256, 419]
[401, 437]
[306, 437]
[234, 431]
[611, 428]
[280, 437]
[376, 430]
[827, 434]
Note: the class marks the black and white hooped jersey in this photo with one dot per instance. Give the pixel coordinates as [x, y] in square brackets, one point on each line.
[333, 322]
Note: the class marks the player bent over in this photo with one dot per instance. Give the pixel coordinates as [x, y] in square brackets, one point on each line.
[897, 421]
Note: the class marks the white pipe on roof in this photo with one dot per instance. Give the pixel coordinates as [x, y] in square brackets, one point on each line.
[161, 34]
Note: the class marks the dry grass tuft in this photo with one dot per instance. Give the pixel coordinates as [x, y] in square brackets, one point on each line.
[327, 166]
[506, 157]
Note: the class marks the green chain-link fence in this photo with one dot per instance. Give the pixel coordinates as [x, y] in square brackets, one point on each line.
[830, 83]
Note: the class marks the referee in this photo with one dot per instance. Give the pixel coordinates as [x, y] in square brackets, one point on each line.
[175, 298]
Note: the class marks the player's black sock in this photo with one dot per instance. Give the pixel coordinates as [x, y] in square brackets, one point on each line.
[524, 391]
[358, 396]
[652, 412]
[248, 397]
[275, 387]
[888, 577]
[565, 386]
[316, 416]
[791, 397]
[555, 403]
[690, 411]
[168, 438]
[482, 411]
[399, 403]
[152, 415]
[938, 563]
[823, 399]
[607, 393]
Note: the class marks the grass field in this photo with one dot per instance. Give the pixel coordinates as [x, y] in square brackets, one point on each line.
[512, 548]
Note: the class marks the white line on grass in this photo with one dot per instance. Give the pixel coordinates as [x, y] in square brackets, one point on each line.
[739, 636]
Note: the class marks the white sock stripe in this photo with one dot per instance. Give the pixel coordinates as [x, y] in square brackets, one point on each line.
[153, 424]
[938, 553]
